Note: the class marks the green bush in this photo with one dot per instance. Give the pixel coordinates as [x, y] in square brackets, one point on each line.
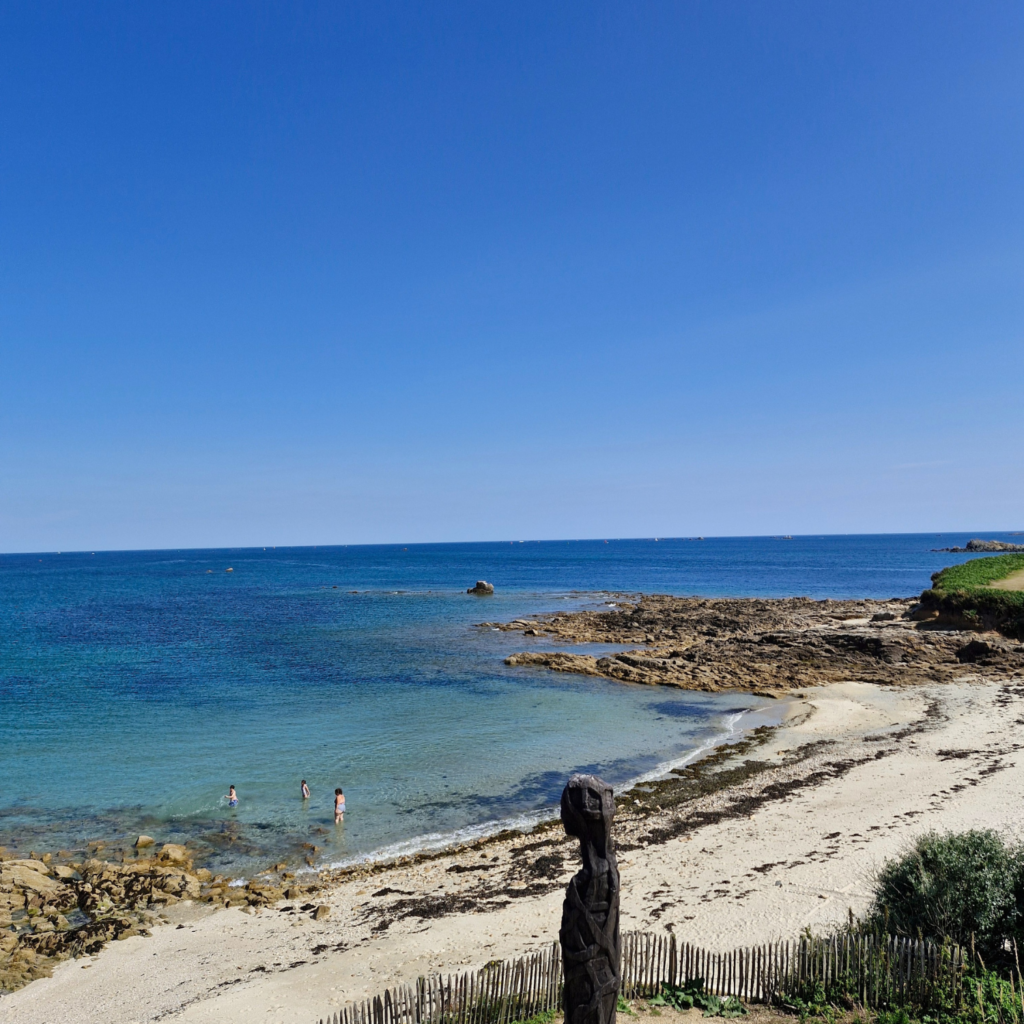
[960, 886]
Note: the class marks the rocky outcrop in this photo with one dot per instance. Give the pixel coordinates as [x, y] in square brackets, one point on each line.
[766, 647]
[980, 546]
[52, 911]
[482, 587]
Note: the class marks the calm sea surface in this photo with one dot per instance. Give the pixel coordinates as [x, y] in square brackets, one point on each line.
[136, 686]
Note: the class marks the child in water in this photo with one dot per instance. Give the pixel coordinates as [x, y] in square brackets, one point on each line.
[232, 797]
[305, 790]
[339, 806]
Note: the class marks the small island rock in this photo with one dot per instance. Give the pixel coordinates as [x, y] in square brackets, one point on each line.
[482, 587]
[976, 545]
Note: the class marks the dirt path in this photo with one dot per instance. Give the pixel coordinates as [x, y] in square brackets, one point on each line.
[1015, 581]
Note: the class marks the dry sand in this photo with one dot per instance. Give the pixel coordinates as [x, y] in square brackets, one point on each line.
[863, 769]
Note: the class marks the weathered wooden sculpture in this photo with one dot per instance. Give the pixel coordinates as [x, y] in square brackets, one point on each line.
[589, 935]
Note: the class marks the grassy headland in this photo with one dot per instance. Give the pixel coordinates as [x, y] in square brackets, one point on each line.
[978, 572]
[963, 596]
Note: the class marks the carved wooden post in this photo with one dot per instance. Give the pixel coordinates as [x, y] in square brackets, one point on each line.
[589, 934]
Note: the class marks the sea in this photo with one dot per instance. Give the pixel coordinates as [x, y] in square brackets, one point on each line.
[137, 686]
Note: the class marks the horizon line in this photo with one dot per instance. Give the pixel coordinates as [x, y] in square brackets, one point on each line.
[535, 540]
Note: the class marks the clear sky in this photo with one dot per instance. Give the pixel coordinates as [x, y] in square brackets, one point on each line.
[345, 272]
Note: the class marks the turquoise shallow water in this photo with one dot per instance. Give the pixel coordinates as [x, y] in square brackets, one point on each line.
[136, 686]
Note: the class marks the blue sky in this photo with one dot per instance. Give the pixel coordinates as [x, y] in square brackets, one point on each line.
[341, 273]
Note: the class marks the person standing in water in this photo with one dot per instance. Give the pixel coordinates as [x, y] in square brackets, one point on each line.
[339, 806]
[305, 790]
[232, 797]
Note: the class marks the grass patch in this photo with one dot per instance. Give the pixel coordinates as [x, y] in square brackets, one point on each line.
[977, 572]
[544, 1017]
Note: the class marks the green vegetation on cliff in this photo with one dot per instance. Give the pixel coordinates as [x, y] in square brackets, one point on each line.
[962, 596]
[978, 572]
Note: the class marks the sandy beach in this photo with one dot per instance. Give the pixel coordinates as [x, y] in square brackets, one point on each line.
[783, 833]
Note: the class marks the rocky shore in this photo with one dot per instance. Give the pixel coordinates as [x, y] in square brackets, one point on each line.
[53, 908]
[985, 546]
[766, 647]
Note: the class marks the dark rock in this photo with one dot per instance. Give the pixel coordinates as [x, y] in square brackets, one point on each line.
[482, 587]
[974, 651]
[977, 545]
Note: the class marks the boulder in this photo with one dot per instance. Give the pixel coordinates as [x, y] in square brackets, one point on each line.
[482, 587]
[974, 651]
[992, 545]
[172, 853]
[144, 841]
[33, 865]
[322, 913]
[25, 876]
[63, 872]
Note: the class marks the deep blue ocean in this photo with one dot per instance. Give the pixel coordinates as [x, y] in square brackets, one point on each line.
[135, 687]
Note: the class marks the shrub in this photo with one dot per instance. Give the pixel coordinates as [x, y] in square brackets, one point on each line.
[960, 886]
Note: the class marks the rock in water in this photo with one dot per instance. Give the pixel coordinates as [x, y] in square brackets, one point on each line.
[977, 545]
[145, 841]
[482, 587]
[173, 853]
[591, 949]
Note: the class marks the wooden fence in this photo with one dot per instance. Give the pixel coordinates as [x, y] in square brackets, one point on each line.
[876, 971]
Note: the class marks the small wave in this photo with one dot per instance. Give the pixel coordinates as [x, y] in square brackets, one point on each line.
[731, 731]
[434, 842]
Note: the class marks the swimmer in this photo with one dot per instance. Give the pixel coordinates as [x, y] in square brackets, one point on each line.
[305, 790]
[232, 797]
[339, 806]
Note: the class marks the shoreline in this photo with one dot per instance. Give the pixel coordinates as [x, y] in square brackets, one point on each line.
[756, 840]
[528, 823]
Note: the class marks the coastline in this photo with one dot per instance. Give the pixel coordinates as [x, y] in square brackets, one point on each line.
[756, 840]
[432, 845]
